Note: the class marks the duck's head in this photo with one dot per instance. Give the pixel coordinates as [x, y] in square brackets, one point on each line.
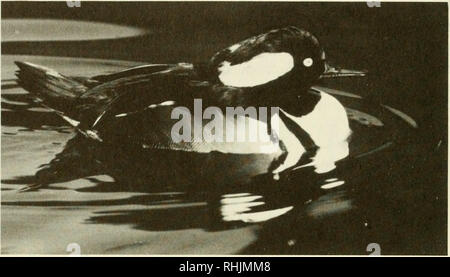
[287, 57]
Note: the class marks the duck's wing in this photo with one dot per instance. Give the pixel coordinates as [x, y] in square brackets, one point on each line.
[144, 110]
[91, 82]
[169, 125]
[133, 71]
[134, 92]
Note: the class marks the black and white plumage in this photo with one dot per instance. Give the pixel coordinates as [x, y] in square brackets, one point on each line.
[126, 108]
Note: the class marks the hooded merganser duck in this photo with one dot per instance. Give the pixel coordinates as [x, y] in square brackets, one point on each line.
[131, 109]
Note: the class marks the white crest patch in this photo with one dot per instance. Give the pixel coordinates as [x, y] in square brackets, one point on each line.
[261, 69]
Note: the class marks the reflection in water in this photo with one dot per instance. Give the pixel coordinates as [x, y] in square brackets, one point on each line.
[329, 204]
[60, 30]
[237, 207]
[326, 157]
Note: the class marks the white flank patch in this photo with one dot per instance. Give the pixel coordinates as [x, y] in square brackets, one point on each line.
[262, 145]
[121, 115]
[261, 69]
[71, 121]
[98, 118]
[332, 185]
[234, 47]
[167, 103]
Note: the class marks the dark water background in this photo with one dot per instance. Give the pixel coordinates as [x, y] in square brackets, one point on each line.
[398, 197]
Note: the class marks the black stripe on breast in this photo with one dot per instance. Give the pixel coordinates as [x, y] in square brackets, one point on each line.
[299, 132]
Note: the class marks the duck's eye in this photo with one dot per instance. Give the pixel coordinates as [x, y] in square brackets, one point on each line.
[308, 62]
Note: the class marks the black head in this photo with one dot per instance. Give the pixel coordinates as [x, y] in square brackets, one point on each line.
[288, 57]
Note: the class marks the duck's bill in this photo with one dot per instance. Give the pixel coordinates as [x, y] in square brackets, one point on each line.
[335, 72]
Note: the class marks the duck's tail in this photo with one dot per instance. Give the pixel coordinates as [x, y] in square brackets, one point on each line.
[52, 89]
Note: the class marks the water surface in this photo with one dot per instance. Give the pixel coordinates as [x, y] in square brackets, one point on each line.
[390, 189]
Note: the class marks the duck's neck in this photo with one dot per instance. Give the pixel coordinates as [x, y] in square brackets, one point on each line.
[298, 104]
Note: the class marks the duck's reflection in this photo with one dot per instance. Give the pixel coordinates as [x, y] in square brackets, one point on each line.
[206, 205]
[215, 211]
[212, 207]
